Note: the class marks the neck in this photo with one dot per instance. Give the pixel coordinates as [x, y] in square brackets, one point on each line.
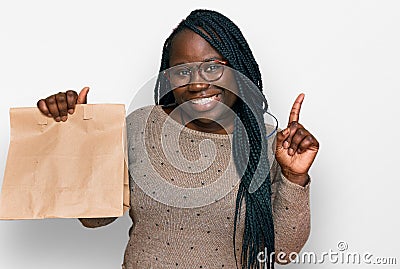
[208, 127]
[223, 126]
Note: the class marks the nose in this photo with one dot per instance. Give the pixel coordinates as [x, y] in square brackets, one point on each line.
[197, 83]
[196, 87]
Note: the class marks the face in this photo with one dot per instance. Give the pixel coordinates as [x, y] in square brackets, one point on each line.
[202, 99]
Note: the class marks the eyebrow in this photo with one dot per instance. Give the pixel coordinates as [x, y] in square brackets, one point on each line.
[212, 59]
[204, 60]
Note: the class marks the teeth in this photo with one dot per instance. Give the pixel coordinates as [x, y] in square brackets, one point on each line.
[203, 101]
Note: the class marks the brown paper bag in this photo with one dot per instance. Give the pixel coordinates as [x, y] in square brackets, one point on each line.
[66, 169]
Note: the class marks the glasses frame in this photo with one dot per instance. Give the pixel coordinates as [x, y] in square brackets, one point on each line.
[199, 68]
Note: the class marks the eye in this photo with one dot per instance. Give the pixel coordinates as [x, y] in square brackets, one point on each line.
[181, 72]
[212, 68]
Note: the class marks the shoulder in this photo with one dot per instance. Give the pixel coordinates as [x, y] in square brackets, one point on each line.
[136, 120]
[139, 113]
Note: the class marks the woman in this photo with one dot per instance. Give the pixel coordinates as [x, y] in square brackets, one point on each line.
[266, 211]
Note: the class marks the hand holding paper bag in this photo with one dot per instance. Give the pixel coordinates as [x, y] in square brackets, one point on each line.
[59, 105]
[66, 169]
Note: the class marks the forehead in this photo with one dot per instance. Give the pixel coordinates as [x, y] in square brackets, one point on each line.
[187, 46]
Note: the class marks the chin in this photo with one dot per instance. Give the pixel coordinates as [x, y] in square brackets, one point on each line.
[215, 113]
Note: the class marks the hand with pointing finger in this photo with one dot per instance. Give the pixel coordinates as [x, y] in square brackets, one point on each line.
[59, 105]
[296, 147]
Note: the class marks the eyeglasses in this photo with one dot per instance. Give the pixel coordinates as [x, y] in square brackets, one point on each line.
[182, 75]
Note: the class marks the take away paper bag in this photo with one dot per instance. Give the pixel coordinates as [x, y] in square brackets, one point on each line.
[66, 169]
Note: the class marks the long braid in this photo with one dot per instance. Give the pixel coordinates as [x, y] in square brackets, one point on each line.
[228, 40]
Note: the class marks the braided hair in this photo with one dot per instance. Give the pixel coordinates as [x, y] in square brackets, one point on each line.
[221, 33]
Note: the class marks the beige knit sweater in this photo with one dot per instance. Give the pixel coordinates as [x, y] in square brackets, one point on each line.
[183, 193]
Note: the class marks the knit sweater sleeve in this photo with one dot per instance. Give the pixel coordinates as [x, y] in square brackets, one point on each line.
[291, 213]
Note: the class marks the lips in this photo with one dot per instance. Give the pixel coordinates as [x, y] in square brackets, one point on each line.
[205, 100]
[205, 103]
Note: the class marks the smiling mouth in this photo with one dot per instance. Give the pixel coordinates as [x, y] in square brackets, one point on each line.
[205, 100]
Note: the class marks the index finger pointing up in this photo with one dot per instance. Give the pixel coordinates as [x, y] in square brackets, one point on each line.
[295, 112]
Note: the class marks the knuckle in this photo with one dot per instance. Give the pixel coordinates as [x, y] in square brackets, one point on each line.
[71, 93]
[51, 100]
[39, 103]
[60, 97]
[310, 139]
[313, 141]
[297, 139]
[294, 145]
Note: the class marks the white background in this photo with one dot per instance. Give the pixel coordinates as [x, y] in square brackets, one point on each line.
[343, 54]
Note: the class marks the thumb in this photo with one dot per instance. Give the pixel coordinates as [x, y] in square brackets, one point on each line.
[82, 97]
[281, 137]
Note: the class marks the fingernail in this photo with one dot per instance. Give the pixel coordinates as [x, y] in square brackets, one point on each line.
[64, 118]
[290, 151]
[49, 115]
[70, 111]
[285, 145]
[57, 119]
[286, 131]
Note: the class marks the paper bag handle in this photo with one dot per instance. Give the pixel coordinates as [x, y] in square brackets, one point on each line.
[87, 112]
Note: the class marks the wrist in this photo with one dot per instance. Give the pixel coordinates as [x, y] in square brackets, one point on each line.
[299, 179]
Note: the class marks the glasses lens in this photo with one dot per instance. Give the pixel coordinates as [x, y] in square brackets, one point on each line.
[179, 75]
[211, 71]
